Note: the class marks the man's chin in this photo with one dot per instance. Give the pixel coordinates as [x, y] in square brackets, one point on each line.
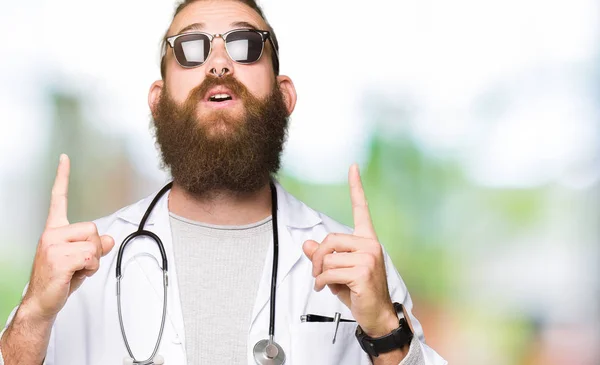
[220, 127]
[219, 124]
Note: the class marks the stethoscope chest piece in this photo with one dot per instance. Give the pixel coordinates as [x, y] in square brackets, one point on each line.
[268, 352]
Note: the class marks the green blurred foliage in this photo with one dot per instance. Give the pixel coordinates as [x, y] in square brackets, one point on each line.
[422, 209]
[13, 278]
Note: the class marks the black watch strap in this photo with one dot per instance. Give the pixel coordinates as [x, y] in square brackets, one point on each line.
[397, 339]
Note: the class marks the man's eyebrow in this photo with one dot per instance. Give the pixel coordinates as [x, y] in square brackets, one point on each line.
[194, 26]
[244, 25]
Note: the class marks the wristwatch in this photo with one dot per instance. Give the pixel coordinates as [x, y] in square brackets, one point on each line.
[397, 339]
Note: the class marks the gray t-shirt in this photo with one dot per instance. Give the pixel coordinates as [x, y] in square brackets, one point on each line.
[218, 269]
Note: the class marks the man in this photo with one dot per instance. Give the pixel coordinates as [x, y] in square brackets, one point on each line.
[220, 115]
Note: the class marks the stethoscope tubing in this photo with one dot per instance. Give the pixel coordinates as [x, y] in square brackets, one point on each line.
[141, 233]
[275, 262]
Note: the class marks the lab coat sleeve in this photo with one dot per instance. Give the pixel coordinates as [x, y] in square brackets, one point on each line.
[49, 360]
[419, 352]
[416, 355]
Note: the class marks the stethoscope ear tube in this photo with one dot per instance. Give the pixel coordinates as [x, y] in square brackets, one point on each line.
[165, 285]
[137, 234]
[141, 232]
[154, 358]
[162, 323]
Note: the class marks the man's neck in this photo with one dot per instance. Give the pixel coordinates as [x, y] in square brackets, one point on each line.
[221, 207]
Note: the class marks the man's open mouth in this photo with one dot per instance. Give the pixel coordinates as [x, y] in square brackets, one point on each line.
[220, 97]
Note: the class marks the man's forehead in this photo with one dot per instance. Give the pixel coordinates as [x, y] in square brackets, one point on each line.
[216, 17]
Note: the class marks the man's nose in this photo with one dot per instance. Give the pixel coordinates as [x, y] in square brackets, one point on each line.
[219, 63]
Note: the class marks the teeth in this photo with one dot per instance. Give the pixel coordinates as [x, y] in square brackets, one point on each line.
[220, 96]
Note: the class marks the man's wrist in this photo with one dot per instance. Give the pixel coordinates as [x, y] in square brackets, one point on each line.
[25, 339]
[29, 323]
[388, 342]
[32, 314]
[395, 356]
[389, 323]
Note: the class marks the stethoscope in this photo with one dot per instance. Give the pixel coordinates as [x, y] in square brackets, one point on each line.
[266, 352]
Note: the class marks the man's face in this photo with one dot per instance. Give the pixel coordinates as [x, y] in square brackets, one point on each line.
[213, 145]
[218, 17]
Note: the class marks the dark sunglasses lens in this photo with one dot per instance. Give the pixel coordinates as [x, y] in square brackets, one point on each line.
[244, 46]
[192, 49]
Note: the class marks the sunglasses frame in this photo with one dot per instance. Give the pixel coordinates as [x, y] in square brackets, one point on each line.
[264, 34]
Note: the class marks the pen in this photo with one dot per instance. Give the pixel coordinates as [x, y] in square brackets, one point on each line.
[319, 318]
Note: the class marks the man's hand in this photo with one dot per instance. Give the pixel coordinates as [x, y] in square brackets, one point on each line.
[353, 267]
[65, 256]
[66, 253]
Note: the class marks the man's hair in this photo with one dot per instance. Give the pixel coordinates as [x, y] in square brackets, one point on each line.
[251, 3]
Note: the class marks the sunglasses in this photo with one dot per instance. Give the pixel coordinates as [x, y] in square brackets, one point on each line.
[243, 46]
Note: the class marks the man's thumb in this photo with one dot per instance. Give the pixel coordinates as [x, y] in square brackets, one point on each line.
[107, 244]
[309, 247]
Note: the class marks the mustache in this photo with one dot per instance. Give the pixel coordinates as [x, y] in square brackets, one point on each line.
[197, 94]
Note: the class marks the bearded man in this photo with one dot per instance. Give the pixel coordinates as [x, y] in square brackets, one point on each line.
[235, 264]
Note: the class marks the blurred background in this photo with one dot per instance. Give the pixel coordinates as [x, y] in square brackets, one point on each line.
[476, 125]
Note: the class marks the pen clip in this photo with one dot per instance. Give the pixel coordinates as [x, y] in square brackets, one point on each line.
[336, 319]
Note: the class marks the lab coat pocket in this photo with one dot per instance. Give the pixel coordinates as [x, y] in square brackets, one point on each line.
[312, 344]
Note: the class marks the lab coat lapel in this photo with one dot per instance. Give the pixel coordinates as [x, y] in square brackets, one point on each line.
[291, 214]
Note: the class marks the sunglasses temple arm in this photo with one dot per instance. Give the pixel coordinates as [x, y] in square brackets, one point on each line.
[274, 49]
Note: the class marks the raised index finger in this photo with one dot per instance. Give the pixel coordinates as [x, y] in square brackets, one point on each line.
[360, 210]
[57, 215]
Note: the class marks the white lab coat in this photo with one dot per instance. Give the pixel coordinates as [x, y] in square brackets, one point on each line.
[87, 329]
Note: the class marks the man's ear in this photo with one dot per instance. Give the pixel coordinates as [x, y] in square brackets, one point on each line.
[289, 92]
[154, 94]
